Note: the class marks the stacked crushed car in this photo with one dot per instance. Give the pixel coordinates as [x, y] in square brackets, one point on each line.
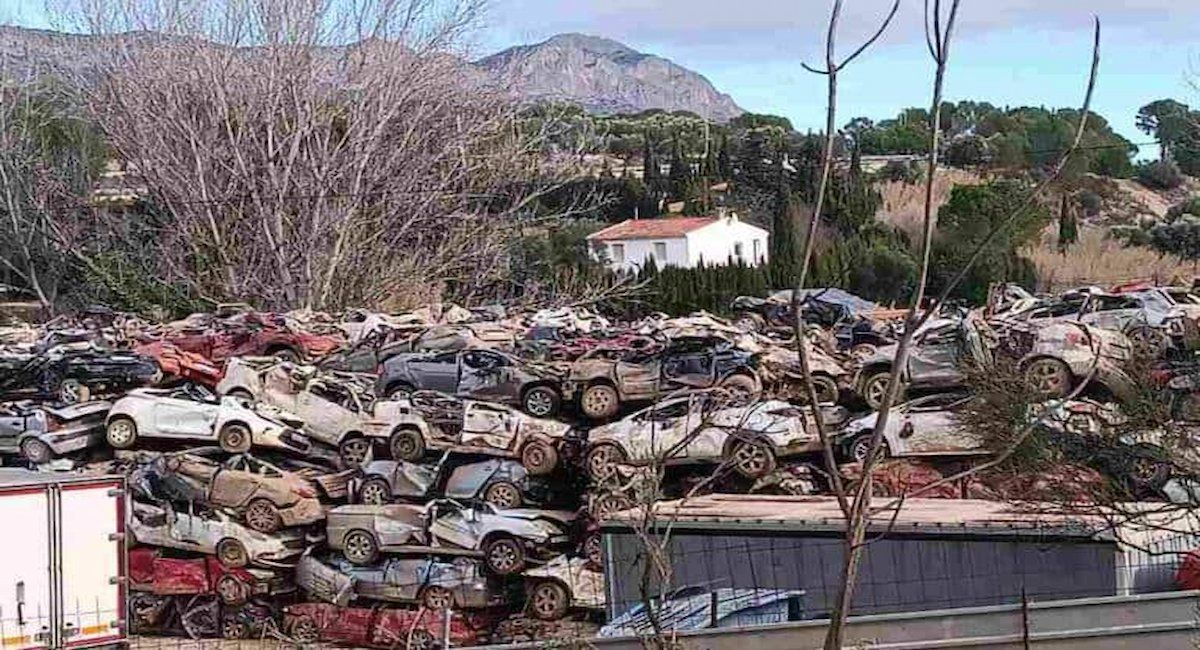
[385, 480]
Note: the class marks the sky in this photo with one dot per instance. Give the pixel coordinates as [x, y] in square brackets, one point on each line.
[1007, 52]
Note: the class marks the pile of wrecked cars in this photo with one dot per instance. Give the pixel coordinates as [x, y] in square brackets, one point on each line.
[378, 479]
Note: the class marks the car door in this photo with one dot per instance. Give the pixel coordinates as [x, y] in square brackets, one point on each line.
[929, 426]
[934, 360]
[486, 375]
[401, 525]
[182, 418]
[12, 425]
[489, 425]
[707, 426]
[661, 431]
[455, 525]
[436, 372]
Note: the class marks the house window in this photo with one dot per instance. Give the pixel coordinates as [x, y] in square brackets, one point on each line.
[660, 251]
[737, 250]
[757, 252]
[618, 253]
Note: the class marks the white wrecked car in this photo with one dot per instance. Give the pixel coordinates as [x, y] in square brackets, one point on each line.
[431, 582]
[702, 428]
[213, 533]
[194, 413]
[561, 585]
[926, 426]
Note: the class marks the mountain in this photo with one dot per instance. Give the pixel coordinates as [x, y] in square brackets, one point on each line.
[605, 76]
[601, 75]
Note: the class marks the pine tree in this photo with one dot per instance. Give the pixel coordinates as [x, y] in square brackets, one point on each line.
[724, 163]
[681, 172]
[1068, 229]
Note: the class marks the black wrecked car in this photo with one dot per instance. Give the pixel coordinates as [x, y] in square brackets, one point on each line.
[73, 372]
[480, 374]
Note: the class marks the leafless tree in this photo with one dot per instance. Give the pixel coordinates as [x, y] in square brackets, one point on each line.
[316, 154]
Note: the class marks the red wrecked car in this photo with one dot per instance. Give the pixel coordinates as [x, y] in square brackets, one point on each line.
[165, 576]
[383, 627]
[182, 364]
[252, 334]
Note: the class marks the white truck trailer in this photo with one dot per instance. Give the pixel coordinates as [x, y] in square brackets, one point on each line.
[62, 561]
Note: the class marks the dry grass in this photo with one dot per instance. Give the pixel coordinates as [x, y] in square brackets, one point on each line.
[904, 203]
[1096, 259]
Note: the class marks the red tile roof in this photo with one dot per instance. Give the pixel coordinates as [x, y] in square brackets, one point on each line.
[665, 228]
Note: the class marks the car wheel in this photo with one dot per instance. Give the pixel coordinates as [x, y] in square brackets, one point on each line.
[234, 629]
[863, 350]
[241, 394]
[360, 548]
[861, 446]
[232, 590]
[539, 457]
[827, 389]
[287, 354]
[749, 322]
[420, 639]
[375, 492]
[408, 445]
[71, 391]
[437, 598]
[399, 391]
[121, 433]
[752, 458]
[304, 630]
[599, 401]
[36, 451]
[874, 388]
[1148, 471]
[604, 507]
[541, 401]
[263, 516]
[503, 494]
[232, 553]
[504, 556]
[354, 451]
[1049, 377]
[593, 550]
[234, 438]
[742, 388]
[549, 601]
[602, 460]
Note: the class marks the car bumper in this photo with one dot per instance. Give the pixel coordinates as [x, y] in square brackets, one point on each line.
[66, 440]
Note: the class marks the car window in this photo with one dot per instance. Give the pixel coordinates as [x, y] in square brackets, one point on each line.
[668, 411]
[480, 360]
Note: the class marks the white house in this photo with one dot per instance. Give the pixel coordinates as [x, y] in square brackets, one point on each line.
[679, 241]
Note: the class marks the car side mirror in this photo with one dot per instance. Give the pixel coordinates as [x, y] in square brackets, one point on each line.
[906, 431]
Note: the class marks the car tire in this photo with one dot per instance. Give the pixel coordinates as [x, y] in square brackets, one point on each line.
[72, 391]
[304, 630]
[286, 354]
[504, 556]
[503, 494]
[752, 458]
[605, 506]
[235, 438]
[593, 550]
[1148, 469]
[232, 590]
[827, 389]
[407, 445]
[436, 598]
[541, 402]
[748, 321]
[742, 388]
[360, 547]
[862, 351]
[121, 433]
[860, 446]
[233, 629]
[354, 451]
[36, 451]
[1049, 377]
[874, 388]
[419, 639]
[599, 401]
[549, 600]
[262, 515]
[602, 460]
[539, 457]
[399, 391]
[232, 553]
[375, 492]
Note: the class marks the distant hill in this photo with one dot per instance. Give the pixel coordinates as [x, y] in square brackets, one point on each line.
[601, 75]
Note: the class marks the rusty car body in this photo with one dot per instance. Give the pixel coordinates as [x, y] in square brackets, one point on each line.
[438, 421]
[563, 584]
[479, 374]
[925, 426]
[704, 427]
[212, 533]
[247, 334]
[151, 571]
[190, 412]
[382, 627]
[40, 433]
[603, 383]
[504, 538]
[431, 582]
[501, 482]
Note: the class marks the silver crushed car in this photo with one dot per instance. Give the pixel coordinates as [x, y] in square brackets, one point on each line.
[40, 433]
[563, 584]
[212, 533]
[433, 583]
[501, 482]
[926, 426]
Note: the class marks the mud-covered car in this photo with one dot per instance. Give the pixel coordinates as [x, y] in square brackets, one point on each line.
[505, 539]
[181, 364]
[264, 501]
[438, 421]
[925, 426]
[151, 571]
[250, 334]
[190, 412]
[39, 433]
[604, 382]
[563, 584]
[706, 428]
[387, 628]
[212, 533]
[72, 372]
[1054, 357]
[500, 482]
[338, 409]
[479, 374]
[431, 582]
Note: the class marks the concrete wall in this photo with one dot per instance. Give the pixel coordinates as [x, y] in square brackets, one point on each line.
[715, 243]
